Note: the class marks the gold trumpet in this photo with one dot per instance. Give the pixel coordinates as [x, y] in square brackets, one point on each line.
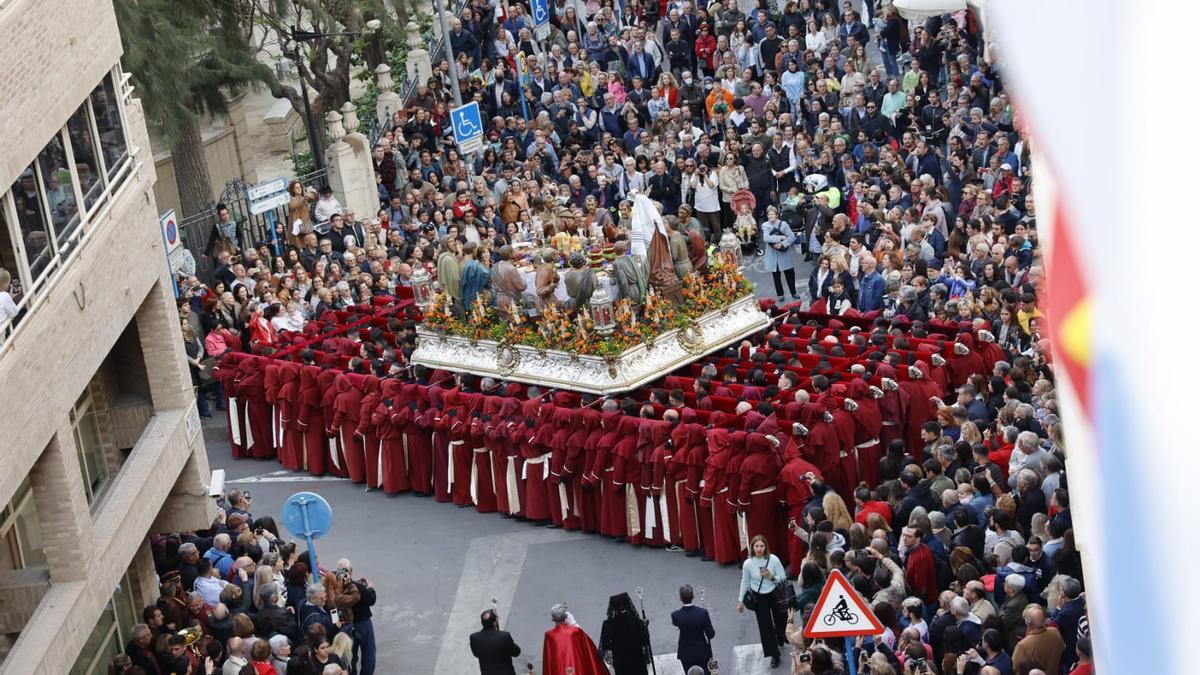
[192, 635]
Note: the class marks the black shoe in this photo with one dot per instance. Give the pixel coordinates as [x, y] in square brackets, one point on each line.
[551, 525]
[774, 662]
[693, 554]
[207, 417]
[705, 558]
[779, 298]
[674, 549]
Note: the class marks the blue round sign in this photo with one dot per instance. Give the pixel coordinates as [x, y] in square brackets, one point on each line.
[172, 231]
[307, 514]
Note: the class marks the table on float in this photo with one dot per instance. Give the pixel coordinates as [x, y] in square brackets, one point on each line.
[602, 280]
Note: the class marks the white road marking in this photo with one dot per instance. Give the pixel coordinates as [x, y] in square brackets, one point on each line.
[284, 476]
[491, 569]
[747, 660]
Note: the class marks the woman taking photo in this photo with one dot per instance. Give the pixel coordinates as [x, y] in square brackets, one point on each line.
[762, 573]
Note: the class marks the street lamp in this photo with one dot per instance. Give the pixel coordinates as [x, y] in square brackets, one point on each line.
[314, 145]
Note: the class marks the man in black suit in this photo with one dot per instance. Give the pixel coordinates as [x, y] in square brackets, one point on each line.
[695, 631]
[493, 647]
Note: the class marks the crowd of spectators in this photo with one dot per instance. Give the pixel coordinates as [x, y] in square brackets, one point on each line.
[237, 599]
[886, 152]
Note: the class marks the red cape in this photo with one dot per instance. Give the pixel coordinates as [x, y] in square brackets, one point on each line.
[568, 646]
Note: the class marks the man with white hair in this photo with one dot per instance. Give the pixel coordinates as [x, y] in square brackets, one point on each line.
[1012, 611]
[1042, 647]
[967, 621]
[568, 646]
[1027, 454]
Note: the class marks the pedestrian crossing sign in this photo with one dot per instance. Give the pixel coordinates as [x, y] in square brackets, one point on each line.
[841, 612]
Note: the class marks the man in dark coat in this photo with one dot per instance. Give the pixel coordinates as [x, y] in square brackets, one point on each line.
[493, 647]
[695, 631]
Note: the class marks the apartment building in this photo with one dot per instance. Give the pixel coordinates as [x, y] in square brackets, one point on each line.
[100, 441]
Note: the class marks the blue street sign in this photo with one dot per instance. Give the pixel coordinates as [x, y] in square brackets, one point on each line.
[308, 515]
[468, 127]
[541, 17]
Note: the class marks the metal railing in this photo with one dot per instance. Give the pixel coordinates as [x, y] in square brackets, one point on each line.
[196, 230]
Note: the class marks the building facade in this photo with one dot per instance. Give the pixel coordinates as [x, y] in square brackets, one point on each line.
[100, 441]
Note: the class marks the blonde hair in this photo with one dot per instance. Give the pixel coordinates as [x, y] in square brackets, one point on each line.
[836, 511]
[343, 646]
[265, 574]
[5, 279]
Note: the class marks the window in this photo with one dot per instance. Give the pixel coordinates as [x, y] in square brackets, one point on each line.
[107, 112]
[58, 185]
[92, 463]
[103, 644]
[31, 219]
[21, 532]
[110, 634]
[40, 218]
[88, 170]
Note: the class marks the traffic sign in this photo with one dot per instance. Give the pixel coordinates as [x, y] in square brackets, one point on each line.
[170, 231]
[840, 612]
[266, 189]
[308, 515]
[541, 17]
[269, 203]
[268, 195]
[468, 127]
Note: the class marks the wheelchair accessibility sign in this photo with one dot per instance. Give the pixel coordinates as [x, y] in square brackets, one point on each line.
[468, 127]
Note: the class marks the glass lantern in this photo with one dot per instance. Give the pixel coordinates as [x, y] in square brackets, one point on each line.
[731, 249]
[422, 285]
[601, 305]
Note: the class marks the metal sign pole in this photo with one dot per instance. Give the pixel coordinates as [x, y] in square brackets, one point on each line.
[312, 548]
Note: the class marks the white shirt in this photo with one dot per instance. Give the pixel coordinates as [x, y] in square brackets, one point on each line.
[815, 41]
[8, 308]
[325, 209]
[708, 198]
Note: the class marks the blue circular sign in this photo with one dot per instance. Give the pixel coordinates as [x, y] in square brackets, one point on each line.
[172, 231]
[307, 514]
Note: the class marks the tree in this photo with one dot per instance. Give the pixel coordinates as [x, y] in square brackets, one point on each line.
[187, 59]
[325, 63]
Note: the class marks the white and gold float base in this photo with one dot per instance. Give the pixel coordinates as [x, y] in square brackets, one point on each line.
[601, 375]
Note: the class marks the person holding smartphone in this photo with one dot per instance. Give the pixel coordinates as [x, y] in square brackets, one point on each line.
[762, 573]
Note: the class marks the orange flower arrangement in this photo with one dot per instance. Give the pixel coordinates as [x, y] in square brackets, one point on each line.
[555, 329]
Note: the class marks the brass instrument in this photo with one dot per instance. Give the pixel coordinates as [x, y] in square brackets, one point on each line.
[191, 634]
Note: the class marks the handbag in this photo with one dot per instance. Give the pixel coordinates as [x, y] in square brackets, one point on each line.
[750, 598]
[785, 595]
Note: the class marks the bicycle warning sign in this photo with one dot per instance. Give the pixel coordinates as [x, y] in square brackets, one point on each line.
[841, 612]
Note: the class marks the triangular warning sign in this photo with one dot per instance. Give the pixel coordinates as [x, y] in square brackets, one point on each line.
[840, 612]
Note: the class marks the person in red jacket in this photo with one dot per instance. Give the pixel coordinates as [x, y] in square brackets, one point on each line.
[865, 504]
[919, 570]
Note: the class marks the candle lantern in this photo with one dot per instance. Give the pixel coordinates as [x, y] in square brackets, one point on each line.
[422, 285]
[602, 311]
[731, 249]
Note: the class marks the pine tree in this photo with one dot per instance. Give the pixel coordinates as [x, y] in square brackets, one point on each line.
[187, 59]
